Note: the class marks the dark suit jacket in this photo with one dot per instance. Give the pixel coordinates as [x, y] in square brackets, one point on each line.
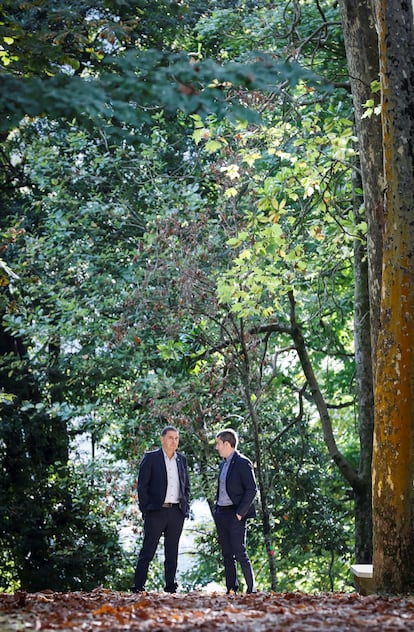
[152, 482]
[241, 485]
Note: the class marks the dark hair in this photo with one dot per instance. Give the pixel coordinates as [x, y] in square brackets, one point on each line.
[168, 429]
[228, 435]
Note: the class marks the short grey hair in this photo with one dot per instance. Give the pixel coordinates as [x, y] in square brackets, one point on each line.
[168, 429]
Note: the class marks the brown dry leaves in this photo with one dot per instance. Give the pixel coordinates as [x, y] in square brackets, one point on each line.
[158, 612]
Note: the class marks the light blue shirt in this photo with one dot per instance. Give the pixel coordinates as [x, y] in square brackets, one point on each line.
[224, 499]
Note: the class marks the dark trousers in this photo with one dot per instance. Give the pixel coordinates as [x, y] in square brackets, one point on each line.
[167, 521]
[231, 534]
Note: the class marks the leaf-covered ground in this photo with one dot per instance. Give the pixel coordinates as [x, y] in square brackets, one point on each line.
[158, 612]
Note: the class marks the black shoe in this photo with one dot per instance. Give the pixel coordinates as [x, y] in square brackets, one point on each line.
[231, 591]
[171, 589]
[135, 589]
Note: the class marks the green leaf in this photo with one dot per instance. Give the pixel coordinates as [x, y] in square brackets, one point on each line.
[212, 145]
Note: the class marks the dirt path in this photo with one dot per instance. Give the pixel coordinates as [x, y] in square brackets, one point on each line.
[106, 610]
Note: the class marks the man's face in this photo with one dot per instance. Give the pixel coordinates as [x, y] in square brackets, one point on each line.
[223, 448]
[170, 442]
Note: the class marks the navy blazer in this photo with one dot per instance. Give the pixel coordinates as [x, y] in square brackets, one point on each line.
[241, 485]
[152, 482]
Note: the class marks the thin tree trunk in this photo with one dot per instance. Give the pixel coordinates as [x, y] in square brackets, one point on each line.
[349, 473]
[364, 381]
[359, 484]
[361, 45]
[264, 505]
[360, 481]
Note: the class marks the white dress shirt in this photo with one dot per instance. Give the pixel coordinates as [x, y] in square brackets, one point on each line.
[173, 482]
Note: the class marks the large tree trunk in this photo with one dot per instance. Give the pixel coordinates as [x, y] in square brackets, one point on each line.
[393, 463]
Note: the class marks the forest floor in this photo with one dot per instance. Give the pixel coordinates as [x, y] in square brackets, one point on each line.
[108, 610]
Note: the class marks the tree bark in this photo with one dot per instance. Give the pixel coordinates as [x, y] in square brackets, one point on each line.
[364, 381]
[361, 45]
[393, 460]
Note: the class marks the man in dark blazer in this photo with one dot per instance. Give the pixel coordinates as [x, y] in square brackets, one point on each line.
[164, 501]
[236, 491]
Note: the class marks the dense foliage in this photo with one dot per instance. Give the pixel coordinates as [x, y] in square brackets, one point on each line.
[175, 203]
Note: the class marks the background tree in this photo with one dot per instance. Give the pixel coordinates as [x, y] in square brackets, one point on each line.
[176, 305]
[49, 365]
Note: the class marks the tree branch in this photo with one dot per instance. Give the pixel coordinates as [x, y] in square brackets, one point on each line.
[349, 472]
